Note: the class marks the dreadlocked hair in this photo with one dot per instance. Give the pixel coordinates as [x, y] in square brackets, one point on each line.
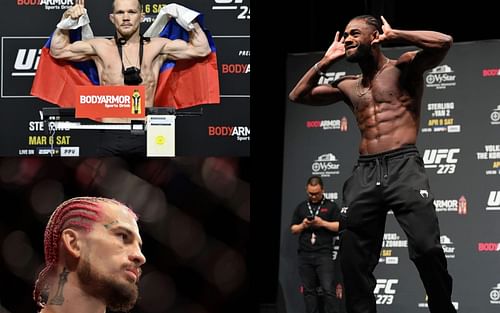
[370, 20]
[80, 213]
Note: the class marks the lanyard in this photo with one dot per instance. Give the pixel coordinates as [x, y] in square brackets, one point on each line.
[315, 212]
[121, 41]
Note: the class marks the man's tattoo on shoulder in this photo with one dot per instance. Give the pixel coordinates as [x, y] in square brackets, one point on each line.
[59, 298]
[108, 225]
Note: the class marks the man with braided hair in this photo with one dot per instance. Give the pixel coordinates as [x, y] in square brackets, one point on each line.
[390, 174]
[92, 258]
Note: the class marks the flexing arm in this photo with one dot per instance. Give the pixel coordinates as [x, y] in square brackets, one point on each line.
[308, 91]
[197, 47]
[60, 46]
[434, 45]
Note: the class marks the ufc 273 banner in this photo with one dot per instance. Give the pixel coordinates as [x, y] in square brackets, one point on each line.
[460, 144]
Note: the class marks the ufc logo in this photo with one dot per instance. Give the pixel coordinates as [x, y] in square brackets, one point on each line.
[436, 156]
[494, 198]
[442, 159]
[331, 77]
[386, 286]
[27, 60]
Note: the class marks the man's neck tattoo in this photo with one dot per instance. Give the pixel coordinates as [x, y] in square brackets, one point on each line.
[59, 298]
[108, 225]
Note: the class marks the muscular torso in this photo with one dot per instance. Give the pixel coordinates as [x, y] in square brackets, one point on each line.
[109, 67]
[388, 113]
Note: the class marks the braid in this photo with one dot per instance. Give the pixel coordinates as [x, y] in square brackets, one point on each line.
[80, 213]
[370, 20]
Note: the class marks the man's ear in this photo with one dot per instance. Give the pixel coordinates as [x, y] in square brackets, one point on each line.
[143, 15]
[112, 17]
[71, 242]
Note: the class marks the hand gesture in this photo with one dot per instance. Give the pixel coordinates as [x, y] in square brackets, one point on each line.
[386, 32]
[306, 223]
[318, 221]
[75, 11]
[336, 49]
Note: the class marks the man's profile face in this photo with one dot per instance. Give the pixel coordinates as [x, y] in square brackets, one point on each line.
[109, 267]
[126, 17]
[314, 193]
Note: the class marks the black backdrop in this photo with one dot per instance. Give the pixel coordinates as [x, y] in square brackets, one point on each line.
[460, 146]
[308, 26]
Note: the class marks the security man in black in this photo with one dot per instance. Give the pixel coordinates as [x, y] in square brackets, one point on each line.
[316, 220]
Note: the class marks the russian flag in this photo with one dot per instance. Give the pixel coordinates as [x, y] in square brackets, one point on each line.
[55, 80]
[186, 83]
[181, 83]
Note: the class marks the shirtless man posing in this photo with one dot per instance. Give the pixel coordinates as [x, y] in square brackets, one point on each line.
[389, 175]
[127, 16]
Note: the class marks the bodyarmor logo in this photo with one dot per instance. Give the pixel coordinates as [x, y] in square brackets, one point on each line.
[384, 291]
[488, 246]
[491, 72]
[328, 124]
[493, 201]
[56, 2]
[241, 133]
[235, 68]
[45, 2]
[343, 124]
[451, 205]
[462, 205]
[442, 159]
[136, 102]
